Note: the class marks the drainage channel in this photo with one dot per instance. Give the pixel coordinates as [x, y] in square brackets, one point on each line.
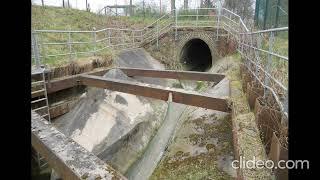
[145, 166]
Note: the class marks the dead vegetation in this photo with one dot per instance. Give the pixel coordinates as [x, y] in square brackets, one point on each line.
[80, 66]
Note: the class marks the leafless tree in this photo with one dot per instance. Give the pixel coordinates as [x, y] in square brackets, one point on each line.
[242, 7]
[185, 4]
[173, 5]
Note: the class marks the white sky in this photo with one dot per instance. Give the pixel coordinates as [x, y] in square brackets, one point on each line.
[96, 5]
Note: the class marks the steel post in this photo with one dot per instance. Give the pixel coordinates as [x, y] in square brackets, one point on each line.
[94, 40]
[176, 22]
[70, 46]
[269, 60]
[35, 50]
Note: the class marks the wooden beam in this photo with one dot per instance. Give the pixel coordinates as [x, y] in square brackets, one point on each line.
[68, 82]
[71, 81]
[65, 156]
[171, 74]
[158, 92]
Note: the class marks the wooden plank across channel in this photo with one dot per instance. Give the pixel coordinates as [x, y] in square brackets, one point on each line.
[172, 74]
[68, 158]
[158, 92]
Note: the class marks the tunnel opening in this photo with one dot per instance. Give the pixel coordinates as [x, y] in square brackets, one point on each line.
[196, 55]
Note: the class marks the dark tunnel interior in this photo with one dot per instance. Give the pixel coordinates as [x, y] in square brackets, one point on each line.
[196, 55]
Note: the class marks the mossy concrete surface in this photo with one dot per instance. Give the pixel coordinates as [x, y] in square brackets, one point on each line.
[247, 141]
[202, 147]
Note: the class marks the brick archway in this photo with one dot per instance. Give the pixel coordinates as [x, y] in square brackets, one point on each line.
[204, 51]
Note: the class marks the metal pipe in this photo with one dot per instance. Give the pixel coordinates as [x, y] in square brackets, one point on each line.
[271, 53]
[176, 29]
[69, 45]
[268, 30]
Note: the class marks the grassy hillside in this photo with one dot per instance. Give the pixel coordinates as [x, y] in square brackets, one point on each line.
[56, 18]
[62, 19]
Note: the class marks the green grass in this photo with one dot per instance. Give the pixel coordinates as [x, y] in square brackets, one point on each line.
[279, 67]
[56, 18]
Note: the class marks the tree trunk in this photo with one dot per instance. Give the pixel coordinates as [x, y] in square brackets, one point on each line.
[160, 8]
[86, 5]
[185, 5]
[144, 13]
[42, 3]
[173, 6]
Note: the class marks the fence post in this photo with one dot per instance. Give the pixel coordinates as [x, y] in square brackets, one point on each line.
[35, 49]
[269, 61]
[109, 36]
[176, 22]
[197, 17]
[277, 14]
[266, 14]
[250, 54]
[239, 41]
[123, 37]
[285, 104]
[239, 29]
[106, 37]
[258, 53]
[141, 36]
[94, 40]
[218, 23]
[69, 45]
[132, 32]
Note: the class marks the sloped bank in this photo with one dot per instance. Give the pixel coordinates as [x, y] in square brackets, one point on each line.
[115, 126]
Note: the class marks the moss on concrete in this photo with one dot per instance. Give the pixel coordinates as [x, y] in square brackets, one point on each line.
[196, 149]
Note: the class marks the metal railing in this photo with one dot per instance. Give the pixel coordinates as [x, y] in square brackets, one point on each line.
[88, 42]
[259, 48]
[55, 45]
[266, 58]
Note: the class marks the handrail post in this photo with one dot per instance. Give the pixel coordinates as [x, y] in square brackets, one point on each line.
[269, 61]
[250, 49]
[239, 43]
[258, 52]
[132, 32]
[286, 102]
[94, 40]
[218, 22]
[157, 35]
[176, 22]
[197, 17]
[109, 37]
[34, 43]
[106, 36]
[70, 46]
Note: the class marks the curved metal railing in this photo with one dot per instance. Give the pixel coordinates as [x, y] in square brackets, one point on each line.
[258, 48]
